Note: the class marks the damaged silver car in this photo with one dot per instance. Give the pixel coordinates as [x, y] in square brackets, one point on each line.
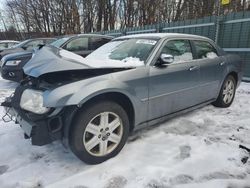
[93, 104]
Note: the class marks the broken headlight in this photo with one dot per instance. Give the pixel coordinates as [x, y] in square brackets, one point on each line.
[32, 100]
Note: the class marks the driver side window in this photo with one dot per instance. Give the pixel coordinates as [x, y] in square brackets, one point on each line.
[179, 49]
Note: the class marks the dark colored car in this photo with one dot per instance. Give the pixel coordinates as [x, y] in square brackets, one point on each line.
[93, 104]
[27, 45]
[82, 44]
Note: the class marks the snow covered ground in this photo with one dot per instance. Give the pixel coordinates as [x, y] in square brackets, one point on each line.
[199, 149]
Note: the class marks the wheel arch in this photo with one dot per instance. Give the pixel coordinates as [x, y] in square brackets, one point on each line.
[232, 73]
[235, 75]
[219, 101]
[120, 98]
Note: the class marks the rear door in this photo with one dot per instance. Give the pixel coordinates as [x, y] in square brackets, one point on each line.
[211, 69]
[174, 87]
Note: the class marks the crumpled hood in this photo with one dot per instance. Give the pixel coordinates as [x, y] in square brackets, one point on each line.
[51, 59]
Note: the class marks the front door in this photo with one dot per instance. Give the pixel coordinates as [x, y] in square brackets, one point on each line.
[175, 86]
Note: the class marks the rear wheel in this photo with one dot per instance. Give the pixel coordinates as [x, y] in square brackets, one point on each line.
[227, 93]
[100, 132]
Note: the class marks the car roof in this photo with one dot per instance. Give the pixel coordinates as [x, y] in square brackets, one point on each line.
[162, 35]
[96, 35]
[3, 41]
[86, 35]
[43, 38]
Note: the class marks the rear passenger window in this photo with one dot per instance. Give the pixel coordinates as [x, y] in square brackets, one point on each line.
[98, 42]
[78, 44]
[179, 49]
[205, 50]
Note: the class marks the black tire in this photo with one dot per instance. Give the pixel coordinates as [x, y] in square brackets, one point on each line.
[220, 102]
[83, 118]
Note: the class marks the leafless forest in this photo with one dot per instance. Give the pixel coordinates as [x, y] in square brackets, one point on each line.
[57, 17]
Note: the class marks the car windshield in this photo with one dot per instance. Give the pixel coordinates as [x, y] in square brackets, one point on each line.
[58, 43]
[128, 51]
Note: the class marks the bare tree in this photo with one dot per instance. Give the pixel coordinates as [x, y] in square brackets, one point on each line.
[57, 17]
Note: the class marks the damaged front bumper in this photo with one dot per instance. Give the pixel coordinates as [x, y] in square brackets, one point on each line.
[12, 73]
[12, 115]
[42, 129]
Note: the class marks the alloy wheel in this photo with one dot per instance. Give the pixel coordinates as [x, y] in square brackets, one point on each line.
[103, 134]
[228, 91]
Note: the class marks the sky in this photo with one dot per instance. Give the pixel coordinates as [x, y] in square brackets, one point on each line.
[2, 2]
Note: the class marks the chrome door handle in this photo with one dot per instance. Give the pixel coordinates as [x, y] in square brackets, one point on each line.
[193, 68]
[222, 63]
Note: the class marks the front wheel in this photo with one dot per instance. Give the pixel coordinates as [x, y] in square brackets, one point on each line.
[227, 93]
[100, 132]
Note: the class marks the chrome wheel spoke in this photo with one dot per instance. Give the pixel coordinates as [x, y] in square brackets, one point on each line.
[114, 124]
[104, 119]
[224, 92]
[114, 138]
[94, 141]
[104, 147]
[225, 98]
[228, 91]
[102, 139]
[231, 85]
[93, 129]
[230, 97]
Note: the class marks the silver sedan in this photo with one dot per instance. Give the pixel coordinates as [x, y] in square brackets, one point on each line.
[93, 104]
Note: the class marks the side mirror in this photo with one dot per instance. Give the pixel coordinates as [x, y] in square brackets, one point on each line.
[166, 59]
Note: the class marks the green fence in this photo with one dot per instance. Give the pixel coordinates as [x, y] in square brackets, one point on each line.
[233, 32]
